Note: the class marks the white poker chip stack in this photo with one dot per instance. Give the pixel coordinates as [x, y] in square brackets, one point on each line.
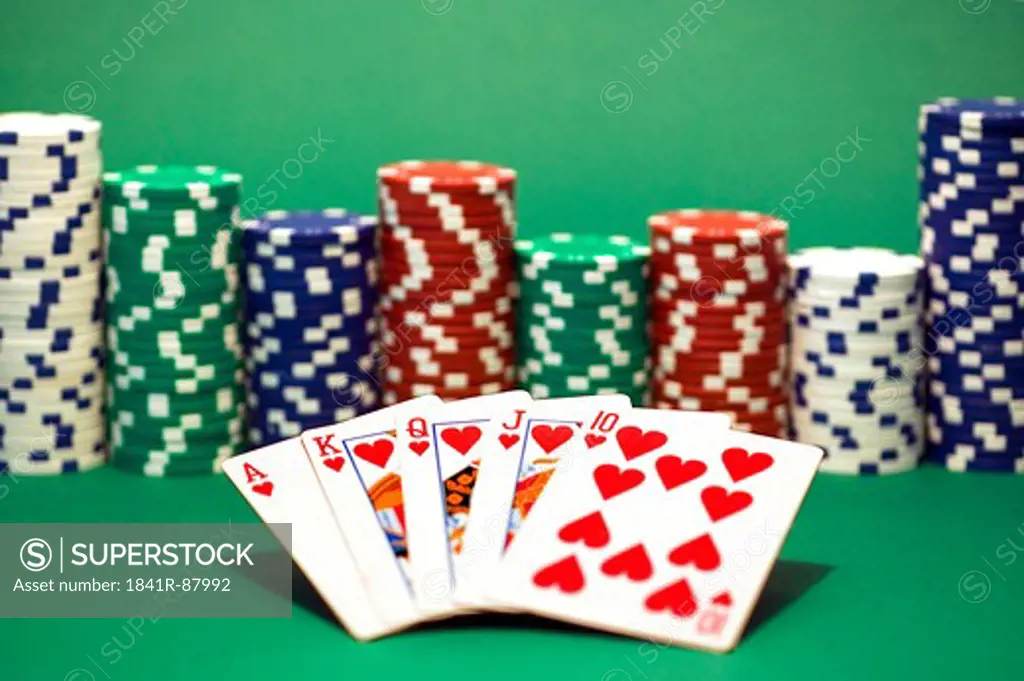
[857, 358]
[51, 323]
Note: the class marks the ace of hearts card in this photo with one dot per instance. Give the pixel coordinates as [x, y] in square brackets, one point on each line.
[280, 485]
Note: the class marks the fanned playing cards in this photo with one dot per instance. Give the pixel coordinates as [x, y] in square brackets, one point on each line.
[658, 524]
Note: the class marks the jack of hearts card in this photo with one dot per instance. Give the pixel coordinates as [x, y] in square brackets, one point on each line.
[528, 445]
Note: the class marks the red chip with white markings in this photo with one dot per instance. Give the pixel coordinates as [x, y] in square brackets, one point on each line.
[718, 315]
[447, 277]
[426, 176]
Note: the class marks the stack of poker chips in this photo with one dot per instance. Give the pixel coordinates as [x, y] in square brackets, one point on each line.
[51, 323]
[447, 279]
[311, 320]
[856, 361]
[972, 221]
[582, 316]
[174, 374]
[718, 315]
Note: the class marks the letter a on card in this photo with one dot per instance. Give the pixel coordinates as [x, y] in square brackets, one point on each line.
[279, 483]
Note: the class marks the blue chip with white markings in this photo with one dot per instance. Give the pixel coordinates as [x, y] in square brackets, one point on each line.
[972, 217]
[311, 320]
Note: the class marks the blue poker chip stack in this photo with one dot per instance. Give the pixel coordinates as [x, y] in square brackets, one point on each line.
[311, 320]
[51, 321]
[972, 222]
[856, 338]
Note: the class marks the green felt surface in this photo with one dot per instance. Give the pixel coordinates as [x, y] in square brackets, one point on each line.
[871, 584]
[610, 111]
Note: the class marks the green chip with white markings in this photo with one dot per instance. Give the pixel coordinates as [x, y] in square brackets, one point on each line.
[583, 250]
[582, 315]
[175, 376]
[173, 184]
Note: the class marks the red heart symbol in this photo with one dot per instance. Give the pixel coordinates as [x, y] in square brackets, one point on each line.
[264, 488]
[721, 504]
[723, 599]
[508, 439]
[377, 452]
[633, 562]
[593, 440]
[461, 439]
[673, 472]
[334, 463]
[677, 598]
[701, 551]
[742, 464]
[590, 529]
[612, 482]
[565, 574]
[419, 447]
[548, 438]
[634, 442]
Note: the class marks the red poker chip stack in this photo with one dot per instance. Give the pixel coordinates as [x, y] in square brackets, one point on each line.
[718, 315]
[447, 279]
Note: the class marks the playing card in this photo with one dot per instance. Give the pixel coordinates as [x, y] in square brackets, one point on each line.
[441, 455]
[667, 530]
[357, 468]
[527, 446]
[279, 484]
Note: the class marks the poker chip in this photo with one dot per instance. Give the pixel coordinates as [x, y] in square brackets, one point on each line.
[582, 311]
[855, 324]
[446, 195]
[310, 320]
[51, 323]
[152, 186]
[447, 279]
[971, 213]
[717, 322]
[175, 378]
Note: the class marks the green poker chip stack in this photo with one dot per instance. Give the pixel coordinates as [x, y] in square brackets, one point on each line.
[582, 320]
[175, 380]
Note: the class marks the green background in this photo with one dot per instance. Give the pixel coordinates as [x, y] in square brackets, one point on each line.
[737, 113]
